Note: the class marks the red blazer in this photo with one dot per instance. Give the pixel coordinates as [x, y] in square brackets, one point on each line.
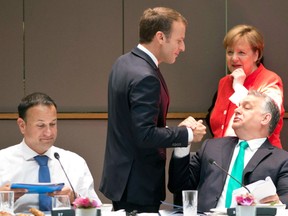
[261, 80]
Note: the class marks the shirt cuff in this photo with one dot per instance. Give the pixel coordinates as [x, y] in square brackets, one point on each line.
[240, 93]
[181, 152]
[190, 135]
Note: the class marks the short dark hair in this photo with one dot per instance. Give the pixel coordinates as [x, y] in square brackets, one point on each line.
[36, 98]
[157, 19]
[270, 106]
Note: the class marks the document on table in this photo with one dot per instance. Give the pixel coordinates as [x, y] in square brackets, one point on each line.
[259, 189]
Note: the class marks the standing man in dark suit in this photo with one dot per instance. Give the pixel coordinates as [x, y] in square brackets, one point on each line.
[255, 119]
[138, 100]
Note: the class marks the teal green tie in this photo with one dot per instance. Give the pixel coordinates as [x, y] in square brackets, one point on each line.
[237, 172]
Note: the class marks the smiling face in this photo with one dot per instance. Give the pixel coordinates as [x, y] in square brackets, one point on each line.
[174, 44]
[39, 127]
[240, 55]
[251, 121]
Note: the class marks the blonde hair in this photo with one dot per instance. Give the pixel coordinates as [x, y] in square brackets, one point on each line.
[248, 32]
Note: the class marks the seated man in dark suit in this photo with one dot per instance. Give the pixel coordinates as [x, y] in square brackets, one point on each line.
[255, 119]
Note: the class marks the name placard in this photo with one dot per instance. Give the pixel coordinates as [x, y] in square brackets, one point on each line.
[63, 212]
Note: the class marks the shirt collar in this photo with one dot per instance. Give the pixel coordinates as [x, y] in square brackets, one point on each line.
[255, 143]
[29, 154]
[144, 49]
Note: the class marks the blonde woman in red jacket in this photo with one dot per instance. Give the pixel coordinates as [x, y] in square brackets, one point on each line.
[244, 50]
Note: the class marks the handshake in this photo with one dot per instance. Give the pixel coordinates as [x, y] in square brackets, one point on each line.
[197, 127]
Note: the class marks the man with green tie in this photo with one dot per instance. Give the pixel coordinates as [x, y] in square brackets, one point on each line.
[249, 157]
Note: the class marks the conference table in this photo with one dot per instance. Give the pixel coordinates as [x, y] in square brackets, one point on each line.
[280, 212]
[171, 212]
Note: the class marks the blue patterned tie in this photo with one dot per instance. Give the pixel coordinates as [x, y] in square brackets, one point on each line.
[237, 172]
[45, 202]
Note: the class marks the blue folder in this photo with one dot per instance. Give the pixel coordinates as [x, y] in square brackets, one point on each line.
[39, 187]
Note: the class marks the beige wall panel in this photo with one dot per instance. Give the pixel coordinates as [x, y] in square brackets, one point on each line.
[9, 133]
[70, 47]
[87, 138]
[193, 79]
[11, 54]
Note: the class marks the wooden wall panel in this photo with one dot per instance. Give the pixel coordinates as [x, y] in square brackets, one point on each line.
[87, 138]
[11, 54]
[70, 47]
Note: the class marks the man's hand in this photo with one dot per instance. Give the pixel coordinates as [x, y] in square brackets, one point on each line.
[17, 192]
[189, 122]
[199, 131]
[270, 199]
[65, 191]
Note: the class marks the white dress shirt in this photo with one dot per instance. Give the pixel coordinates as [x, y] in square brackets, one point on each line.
[17, 165]
[249, 152]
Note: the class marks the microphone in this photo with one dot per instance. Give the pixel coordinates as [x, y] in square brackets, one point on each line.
[57, 156]
[213, 162]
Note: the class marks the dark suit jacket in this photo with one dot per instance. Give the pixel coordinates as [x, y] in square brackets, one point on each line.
[209, 180]
[135, 156]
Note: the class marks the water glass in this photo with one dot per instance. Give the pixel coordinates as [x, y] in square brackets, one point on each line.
[190, 202]
[7, 201]
[61, 202]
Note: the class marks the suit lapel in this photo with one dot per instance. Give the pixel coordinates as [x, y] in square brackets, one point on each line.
[227, 152]
[264, 151]
[144, 56]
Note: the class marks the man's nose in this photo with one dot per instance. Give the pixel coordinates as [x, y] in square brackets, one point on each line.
[237, 110]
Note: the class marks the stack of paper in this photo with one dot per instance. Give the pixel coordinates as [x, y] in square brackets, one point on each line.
[259, 189]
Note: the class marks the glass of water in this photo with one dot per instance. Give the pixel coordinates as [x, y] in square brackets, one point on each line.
[190, 202]
[61, 202]
[7, 201]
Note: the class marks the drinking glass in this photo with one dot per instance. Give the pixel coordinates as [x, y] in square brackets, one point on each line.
[190, 202]
[61, 202]
[7, 201]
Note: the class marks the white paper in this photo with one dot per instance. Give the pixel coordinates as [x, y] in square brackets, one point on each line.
[259, 189]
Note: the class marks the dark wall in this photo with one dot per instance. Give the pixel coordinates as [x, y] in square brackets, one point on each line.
[66, 48]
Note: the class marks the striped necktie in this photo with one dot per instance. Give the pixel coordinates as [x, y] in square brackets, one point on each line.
[237, 172]
[45, 202]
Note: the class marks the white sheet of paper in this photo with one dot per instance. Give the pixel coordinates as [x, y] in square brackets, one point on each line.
[259, 189]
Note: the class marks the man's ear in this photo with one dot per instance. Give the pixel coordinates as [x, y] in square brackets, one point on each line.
[266, 118]
[21, 124]
[160, 37]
